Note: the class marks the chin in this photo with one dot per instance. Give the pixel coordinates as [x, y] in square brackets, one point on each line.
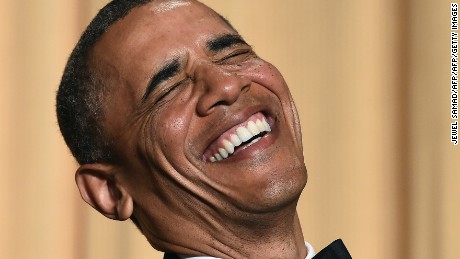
[281, 191]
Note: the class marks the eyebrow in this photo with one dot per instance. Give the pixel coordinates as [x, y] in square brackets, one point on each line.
[225, 41]
[167, 71]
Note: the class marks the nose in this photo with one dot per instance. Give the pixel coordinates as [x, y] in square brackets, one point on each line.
[218, 87]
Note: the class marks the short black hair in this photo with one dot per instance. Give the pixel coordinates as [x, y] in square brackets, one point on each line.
[79, 99]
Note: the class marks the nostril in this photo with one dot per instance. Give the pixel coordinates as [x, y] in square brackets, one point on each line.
[219, 103]
[245, 88]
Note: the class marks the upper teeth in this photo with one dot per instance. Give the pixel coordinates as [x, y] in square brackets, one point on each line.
[243, 134]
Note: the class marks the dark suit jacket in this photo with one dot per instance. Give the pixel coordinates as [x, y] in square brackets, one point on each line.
[336, 250]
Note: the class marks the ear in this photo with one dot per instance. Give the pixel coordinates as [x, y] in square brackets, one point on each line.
[99, 188]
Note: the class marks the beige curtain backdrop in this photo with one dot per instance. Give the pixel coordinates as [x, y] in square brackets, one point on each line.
[371, 81]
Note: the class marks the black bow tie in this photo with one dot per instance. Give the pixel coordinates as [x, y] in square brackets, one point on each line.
[336, 250]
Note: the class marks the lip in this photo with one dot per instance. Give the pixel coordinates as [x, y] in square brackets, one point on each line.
[234, 120]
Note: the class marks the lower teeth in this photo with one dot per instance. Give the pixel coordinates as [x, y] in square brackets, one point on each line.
[253, 141]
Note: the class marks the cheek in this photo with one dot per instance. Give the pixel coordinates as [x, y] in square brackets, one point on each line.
[267, 75]
[171, 128]
[177, 125]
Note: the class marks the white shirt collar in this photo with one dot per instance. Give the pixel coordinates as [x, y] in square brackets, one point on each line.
[310, 251]
[310, 254]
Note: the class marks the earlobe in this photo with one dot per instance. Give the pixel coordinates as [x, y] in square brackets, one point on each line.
[125, 207]
[99, 188]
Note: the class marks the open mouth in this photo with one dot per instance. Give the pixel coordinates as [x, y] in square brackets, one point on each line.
[237, 138]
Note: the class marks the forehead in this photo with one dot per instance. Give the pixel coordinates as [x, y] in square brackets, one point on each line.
[161, 18]
[158, 30]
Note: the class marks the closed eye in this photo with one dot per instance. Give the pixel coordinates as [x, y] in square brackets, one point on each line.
[169, 92]
[236, 56]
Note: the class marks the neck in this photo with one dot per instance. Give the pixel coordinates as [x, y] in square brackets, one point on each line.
[270, 235]
[276, 237]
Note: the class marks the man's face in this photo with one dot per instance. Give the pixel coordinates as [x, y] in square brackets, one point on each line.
[185, 92]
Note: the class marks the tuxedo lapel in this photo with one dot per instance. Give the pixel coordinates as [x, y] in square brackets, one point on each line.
[336, 250]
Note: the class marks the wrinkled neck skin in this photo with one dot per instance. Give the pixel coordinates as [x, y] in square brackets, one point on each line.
[266, 235]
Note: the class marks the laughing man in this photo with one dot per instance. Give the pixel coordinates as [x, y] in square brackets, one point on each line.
[178, 125]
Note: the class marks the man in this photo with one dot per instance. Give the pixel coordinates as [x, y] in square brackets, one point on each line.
[177, 124]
